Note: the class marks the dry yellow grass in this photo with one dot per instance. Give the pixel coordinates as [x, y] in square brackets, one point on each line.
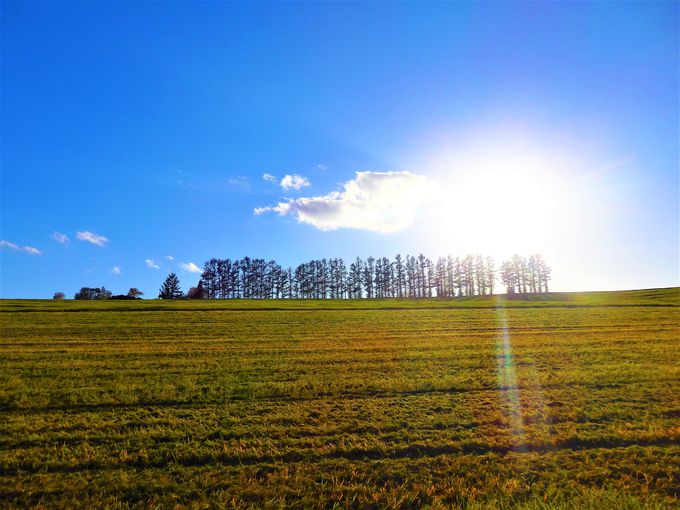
[568, 401]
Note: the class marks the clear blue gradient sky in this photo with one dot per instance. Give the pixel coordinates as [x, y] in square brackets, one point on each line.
[496, 127]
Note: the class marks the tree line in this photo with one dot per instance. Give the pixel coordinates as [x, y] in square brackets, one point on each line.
[99, 293]
[520, 275]
[373, 277]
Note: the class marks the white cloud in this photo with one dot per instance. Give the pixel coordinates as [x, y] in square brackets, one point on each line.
[321, 167]
[60, 238]
[170, 257]
[15, 247]
[190, 267]
[375, 201]
[151, 264]
[92, 238]
[294, 181]
[116, 270]
[269, 177]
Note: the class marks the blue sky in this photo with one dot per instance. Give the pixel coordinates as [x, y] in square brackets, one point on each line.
[493, 127]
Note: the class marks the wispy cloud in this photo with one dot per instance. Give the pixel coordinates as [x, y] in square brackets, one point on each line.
[239, 181]
[15, 247]
[91, 237]
[151, 264]
[181, 179]
[8, 244]
[60, 238]
[294, 181]
[269, 177]
[190, 267]
[375, 201]
[116, 270]
[321, 167]
[170, 257]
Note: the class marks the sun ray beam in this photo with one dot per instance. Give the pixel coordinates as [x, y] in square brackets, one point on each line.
[507, 379]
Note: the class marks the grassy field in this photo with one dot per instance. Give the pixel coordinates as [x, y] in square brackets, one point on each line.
[563, 400]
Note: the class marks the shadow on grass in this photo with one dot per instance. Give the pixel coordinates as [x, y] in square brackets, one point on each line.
[414, 451]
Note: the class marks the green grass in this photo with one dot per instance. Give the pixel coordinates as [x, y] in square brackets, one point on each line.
[556, 401]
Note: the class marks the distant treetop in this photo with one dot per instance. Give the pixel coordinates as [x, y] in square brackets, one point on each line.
[170, 288]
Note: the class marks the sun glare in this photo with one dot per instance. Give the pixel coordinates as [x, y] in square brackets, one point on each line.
[499, 201]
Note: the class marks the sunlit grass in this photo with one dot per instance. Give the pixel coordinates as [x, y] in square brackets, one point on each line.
[365, 403]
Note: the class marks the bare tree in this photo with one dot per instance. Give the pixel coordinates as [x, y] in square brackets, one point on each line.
[490, 273]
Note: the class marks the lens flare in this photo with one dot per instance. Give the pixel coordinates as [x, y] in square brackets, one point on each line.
[507, 379]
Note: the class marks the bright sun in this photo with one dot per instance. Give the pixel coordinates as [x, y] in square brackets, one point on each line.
[498, 202]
